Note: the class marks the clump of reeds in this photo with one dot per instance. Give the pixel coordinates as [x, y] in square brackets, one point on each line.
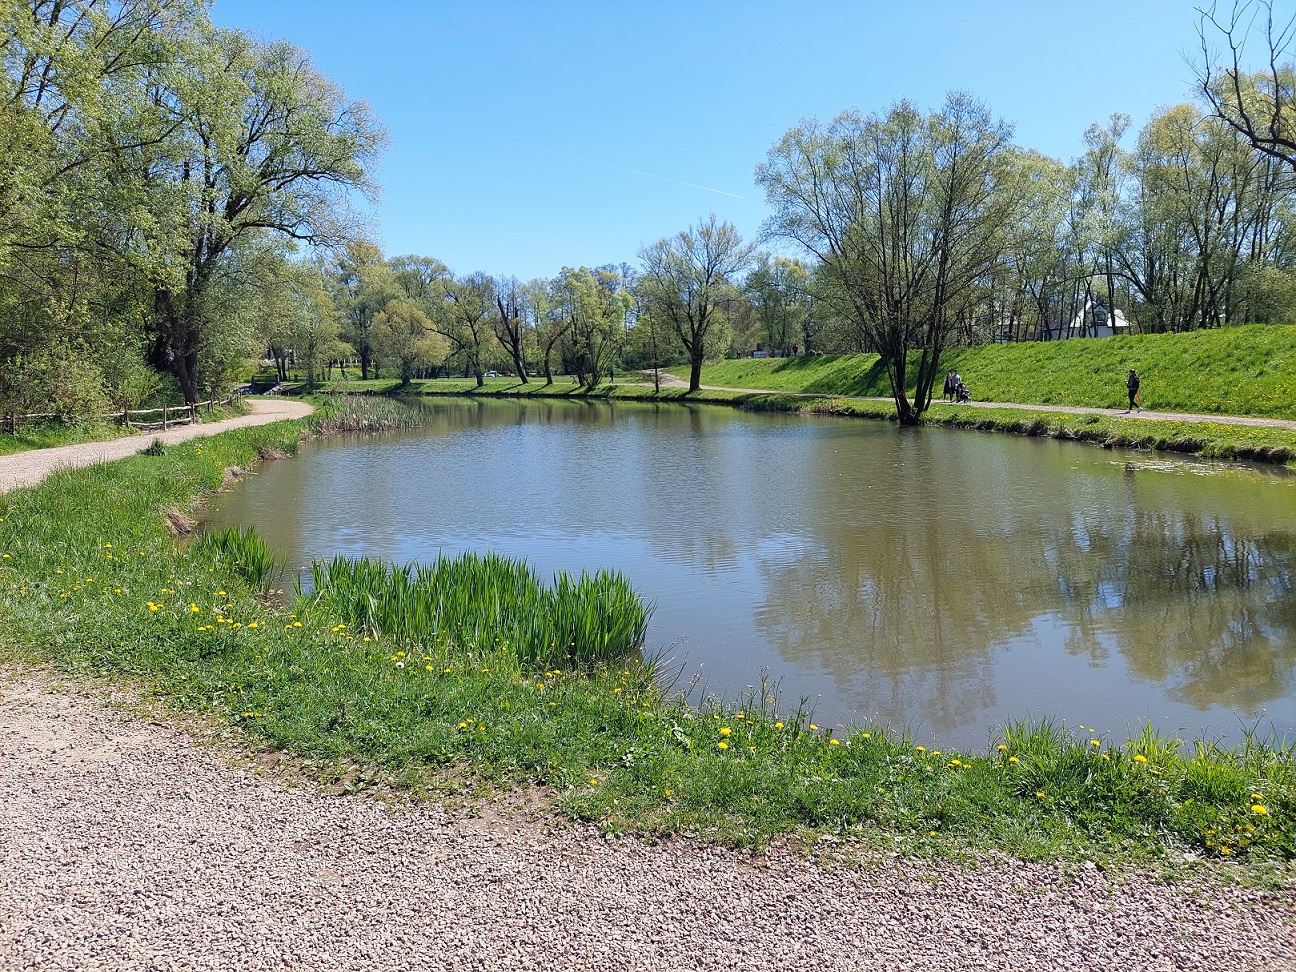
[244, 553]
[488, 602]
[364, 413]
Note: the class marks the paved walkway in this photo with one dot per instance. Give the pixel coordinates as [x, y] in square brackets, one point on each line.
[670, 381]
[29, 468]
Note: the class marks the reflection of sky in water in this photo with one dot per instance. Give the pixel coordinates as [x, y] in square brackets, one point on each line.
[935, 579]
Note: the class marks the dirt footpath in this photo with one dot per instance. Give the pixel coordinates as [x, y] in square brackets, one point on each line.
[29, 468]
[126, 845]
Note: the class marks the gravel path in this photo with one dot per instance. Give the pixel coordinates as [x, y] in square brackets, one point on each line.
[29, 468]
[125, 844]
[672, 381]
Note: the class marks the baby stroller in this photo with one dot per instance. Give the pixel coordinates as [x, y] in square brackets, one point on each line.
[962, 394]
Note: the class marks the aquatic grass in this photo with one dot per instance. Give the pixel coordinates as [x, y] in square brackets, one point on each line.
[486, 600]
[244, 553]
[336, 414]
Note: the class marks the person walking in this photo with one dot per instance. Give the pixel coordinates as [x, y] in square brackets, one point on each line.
[1132, 386]
[949, 386]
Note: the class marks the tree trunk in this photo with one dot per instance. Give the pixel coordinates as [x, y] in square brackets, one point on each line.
[695, 373]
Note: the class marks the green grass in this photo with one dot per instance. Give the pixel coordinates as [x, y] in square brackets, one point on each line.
[92, 584]
[1247, 370]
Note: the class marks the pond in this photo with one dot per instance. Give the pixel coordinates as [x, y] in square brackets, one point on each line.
[933, 579]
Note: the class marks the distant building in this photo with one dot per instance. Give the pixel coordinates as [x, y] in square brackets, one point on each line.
[1094, 321]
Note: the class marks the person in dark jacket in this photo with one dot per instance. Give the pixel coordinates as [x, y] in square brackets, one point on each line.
[1132, 386]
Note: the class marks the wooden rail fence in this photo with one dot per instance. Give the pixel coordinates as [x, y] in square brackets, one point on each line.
[171, 415]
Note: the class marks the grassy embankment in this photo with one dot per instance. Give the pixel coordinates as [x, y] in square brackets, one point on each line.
[92, 582]
[1227, 371]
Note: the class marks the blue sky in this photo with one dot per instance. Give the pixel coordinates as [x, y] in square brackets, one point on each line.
[513, 124]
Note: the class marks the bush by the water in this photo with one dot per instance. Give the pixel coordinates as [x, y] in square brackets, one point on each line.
[485, 602]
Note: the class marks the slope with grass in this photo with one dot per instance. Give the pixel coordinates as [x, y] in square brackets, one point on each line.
[1247, 370]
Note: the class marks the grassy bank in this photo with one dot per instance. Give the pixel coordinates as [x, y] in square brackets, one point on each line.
[1212, 440]
[1247, 370]
[92, 582]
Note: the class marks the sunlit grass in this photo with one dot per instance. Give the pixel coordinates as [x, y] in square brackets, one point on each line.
[1247, 370]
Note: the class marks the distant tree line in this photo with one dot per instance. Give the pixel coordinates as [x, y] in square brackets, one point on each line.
[174, 200]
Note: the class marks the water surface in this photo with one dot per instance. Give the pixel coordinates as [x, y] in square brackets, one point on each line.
[932, 578]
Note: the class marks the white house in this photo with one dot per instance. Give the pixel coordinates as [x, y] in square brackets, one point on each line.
[1094, 321]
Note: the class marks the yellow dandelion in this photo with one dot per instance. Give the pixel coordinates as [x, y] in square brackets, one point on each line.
[1140, 758]
[1259, 809]
[1013, 759]
[833, 742]
[921, 749]
[722, 745]
[1095, 742]
[813, 727]
[778, 725]
[866, 735]
[725, 731]
[1002, 748]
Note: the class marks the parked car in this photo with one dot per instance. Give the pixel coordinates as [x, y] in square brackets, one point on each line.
[492, 374]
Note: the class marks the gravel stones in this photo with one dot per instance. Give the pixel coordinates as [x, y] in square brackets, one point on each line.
[127, 845]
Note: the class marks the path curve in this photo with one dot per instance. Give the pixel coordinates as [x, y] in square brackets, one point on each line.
[128, 846]
[671, 381]
[29, 468]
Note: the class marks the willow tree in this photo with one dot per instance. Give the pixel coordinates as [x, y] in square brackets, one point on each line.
[688, 280]
[464, 314]
[905, 213]
[595, 304]
[263, 145]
